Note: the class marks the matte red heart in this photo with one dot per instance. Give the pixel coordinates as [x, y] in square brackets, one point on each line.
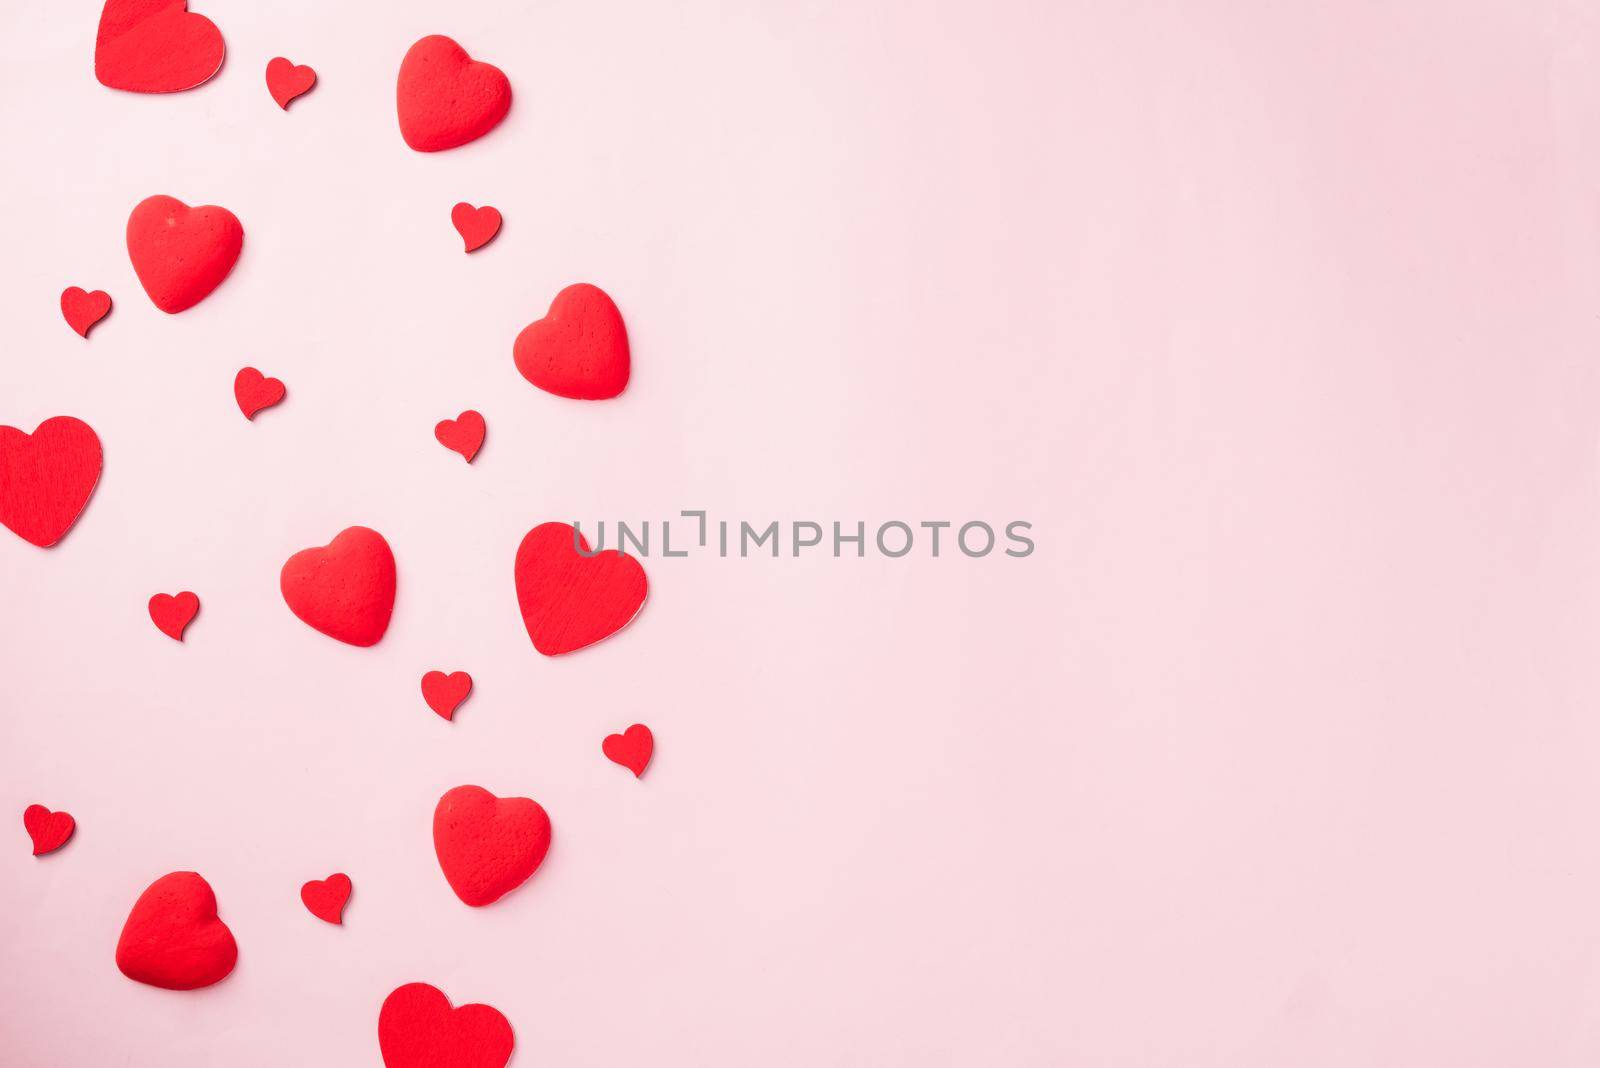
[82, 310]
[477, 226]
[444, 692]
[417, 1028]
[254, 392]
[285, 81]
[49, 830]
[463, 434]
[631, 748]
[488, 845]
[46, 477]
[568, 599]
[172, 614]
[345, 589]
[155, 46]
[173, 938]
[326, 898]
[181, 253]
[446, 98]
[579, 349]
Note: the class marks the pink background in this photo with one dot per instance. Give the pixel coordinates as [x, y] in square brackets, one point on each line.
[1277, 320]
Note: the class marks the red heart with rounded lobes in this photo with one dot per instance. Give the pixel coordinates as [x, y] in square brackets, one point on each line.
[463, 434]
[444, 692]
[49, 830]
[477, 226]
[487, 845]
[326, 898]
[172, 614]
[285, 81]
[579, 349]
[345, 589]
[632, 748]
[82, 310]
[445, 98]
[569, 600]
[46, 477]
[181, 253]
[252, 391]
[417, 1028]
[155, 46]
[173, 938]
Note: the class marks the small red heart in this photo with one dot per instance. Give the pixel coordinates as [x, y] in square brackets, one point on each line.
[173, 938]
[444, 692]
[631, 748]
[49, 830]
[579, 349]
[253, 392]
[285, 81]
[82, 310]
[446, 98]
[417, 1028]
[181, 253]
[172, 614]
[345, 589]
[463, 434]
[569, 600]
[487, 845]
[155, 46]
[326, 898]
[46, 477]
[477, 226]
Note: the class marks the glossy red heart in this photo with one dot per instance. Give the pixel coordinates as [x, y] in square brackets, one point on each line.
[569, 600]
[477, 226]
[173, 938]
[579, 349]
[172, 614]
[254, 392]
[326, 898]
[631, 748]
[49, 830]
[417, 1028]
[463, 434]
[345, 589]
[181, 253]
[446, 98]
[155, 46]
[82, 310]
[285, 81]
[46, 477]
[444, 692]
[487, 845]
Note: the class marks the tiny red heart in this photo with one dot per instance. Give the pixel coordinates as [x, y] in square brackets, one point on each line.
[46, 477]
[444, 692]
[463, 434]
[326, 898]
[173, 938]
[254, 392]
[82, 310]
[477, 226]
[570, 597]
[632, 748]
[487, 845]
[172, 614]
[49, 830]
[155, 46]
[285, 81]
[345, 589]
[417, 1028]
[579, 349]
[446, 98]
[181, 253]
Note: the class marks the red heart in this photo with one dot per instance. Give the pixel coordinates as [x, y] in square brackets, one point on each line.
[578, 350]
[488, 845]
[82, 310]
[253, 392]
[417, 1028]
[326, 898]
[463, 434]
[49, 830]
[569, 600]
[444, 692]
[446, 98]
[172, 614]
[345, 589]
[477, 226]
[631, 748]
[173, 938]
[285, 81]
[46, 477]
[155, 46]
[181, 253]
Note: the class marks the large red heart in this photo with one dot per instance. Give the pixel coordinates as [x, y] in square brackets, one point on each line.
[446, 98]
[172, 614]
[173, 938]
[570, 600]
[46, 477]
[417, 1028]
[181, 253]
[444, 692]
[82, 309]
[49, 830]
[345, 588]
[487, 845]
[579, 349]
[155, 46]
[326, 898]
[632, 748]
[463, 434]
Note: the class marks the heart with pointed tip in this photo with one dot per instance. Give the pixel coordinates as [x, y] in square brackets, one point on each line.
[82, 309]
[445, 98]
[173, 938]
[345, 589]
[570, 598]
[579, 349]
[253, 391]
[418, 1028]
[181, 253]
[445, 692]
[477, 226]
[285, 81]
[463, 434]
[172, 614]
[46, 477]
[487, 845]
[326, 898]
[155, 46]
[49, 830]
[632, 748]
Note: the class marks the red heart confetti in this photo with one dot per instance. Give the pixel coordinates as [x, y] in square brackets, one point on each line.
[463, 434]
[417, 1028]
[46, 477]
[632, 748]
[569, 600]
[49, 830]
[172, 614]
[445, 692]
[326, 898]
[181, 253]
[487, 845]
[345, 589]
[285, 81]
[82, 310]
[477, 226]
[445, 98]
[579, 349]
[155, 46]
[173, 938]
[254, 392]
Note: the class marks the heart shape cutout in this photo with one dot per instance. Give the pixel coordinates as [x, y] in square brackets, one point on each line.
[49, 830]
[46, 477]
[445, 98]
[345, 589]
[253, 392]
[568, 599]
[326, 898]
[445, 692]
[172, 614]
[579, 349]
[417, 1028]
[82, 309]
[632, 748]
[181, 253]
[477, 226]
[463, 434]
[155, 46]
[285, 81]
[173, 938]
[487, 845]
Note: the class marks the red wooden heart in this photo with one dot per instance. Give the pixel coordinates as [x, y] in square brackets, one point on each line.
[579, 349]
[488, 845]
[46, 477]
[172, 614]
[345, 589]
[444, 692]
[285, 81]
[82, 310]
[173, 938]
[417, 1028]
[49, 830]
[463, 434]
[632, 748]
[569, 600]
[155, 46]
[446, 98]
[181, 253]
[254, 392]
[477, 226]
[326, 898]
